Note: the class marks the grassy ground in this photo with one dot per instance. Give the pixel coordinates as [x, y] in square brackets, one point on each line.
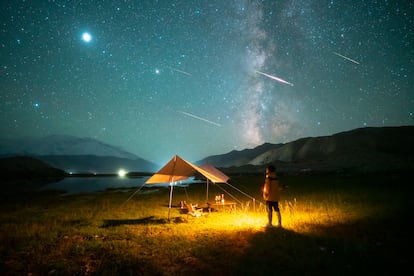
[333, 225]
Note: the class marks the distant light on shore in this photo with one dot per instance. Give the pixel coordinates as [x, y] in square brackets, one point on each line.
[122, 173]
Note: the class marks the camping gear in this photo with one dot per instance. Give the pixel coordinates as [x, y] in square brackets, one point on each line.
[179, 169]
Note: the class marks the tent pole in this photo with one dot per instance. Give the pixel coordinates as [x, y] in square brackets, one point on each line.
[254, 204]
[171, 187]
[169, 204]
[207, 191]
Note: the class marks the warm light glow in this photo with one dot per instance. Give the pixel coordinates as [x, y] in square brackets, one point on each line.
[122, 173]
[297, 216]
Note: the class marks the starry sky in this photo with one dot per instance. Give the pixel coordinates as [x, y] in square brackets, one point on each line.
[200, 78]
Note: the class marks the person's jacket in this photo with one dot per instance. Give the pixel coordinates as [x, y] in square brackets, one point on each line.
[271, 188]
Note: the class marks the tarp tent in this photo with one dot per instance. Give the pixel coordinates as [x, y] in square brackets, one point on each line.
[213, 170]
[179, 169]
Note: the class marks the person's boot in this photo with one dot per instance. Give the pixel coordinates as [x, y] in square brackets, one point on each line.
[279, 219]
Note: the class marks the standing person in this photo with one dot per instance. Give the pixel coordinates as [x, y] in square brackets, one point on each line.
[271, 193]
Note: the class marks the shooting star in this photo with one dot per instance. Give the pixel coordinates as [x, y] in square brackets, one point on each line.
[275, 78]
[178, 70]
[347, 58]
[199, 118]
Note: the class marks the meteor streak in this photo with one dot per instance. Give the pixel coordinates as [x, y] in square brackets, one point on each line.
[179, 71]
[347, 58]
[275, 78]
[199, 118]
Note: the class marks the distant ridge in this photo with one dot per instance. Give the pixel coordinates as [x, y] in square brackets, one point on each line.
[74, 154]
[368, 149]
[61, 145]
[238, 158]
[371, 149]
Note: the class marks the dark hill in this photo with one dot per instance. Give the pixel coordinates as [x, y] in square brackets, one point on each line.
[27, 168]
[373, 149]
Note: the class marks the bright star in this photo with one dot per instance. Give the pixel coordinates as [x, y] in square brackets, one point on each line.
[86, 37]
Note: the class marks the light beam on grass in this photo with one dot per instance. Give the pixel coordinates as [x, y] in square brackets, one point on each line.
[300, 217]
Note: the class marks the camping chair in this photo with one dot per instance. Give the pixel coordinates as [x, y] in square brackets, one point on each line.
[194, 211]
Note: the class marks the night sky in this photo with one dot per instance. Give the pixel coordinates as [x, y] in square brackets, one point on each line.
[199, 78]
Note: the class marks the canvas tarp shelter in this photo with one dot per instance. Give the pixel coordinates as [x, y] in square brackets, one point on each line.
[179, 169]
[210, 168]
[213, 170]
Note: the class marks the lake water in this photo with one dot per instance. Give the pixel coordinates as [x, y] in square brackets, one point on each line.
[77, 185]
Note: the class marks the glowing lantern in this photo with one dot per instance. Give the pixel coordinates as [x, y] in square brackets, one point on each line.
[122, 173]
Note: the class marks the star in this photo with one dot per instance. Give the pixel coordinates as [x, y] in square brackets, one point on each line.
[86, 37]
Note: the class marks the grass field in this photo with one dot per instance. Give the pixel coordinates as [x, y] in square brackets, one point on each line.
[332, 225]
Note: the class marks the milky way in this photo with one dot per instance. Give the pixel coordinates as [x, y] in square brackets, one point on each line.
[194, 78]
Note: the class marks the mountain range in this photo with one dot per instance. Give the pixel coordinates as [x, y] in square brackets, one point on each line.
[370, 149]
[76, 155]
[61, 145]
